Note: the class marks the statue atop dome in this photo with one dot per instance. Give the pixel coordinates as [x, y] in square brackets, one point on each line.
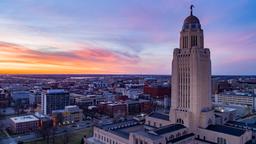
[191, 9]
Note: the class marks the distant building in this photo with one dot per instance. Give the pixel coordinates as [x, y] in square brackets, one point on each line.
[44, 120]
[121, 98]
[238, 98]
[22, 97]
[157, 120]
[38, 95]
[70, 114]
[146, 106]
[133, 107]
[116, 110]
[87, 100]
[220, 86]
[133, 93]
[4, 98]
[23, 124]
[124, 108]
[157, 91]
[55, 99]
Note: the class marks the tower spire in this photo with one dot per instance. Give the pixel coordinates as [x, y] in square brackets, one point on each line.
[191, 9]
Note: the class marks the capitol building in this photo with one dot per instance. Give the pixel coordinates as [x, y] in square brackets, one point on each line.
[192, 118]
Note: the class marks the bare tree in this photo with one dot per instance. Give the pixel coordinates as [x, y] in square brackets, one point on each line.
[66, 136]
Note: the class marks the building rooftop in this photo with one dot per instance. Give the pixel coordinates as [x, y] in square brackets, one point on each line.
[224, 109]
[58, 111]
[159, 116]
[115, 126]
[20, 94]
[205, 141]
[132, 102]
[72, 108]
[181, 138]
[55, 91]
[226, 130]
[116, 104]
[40, 115]
[157, 134]
[122, 129]
[235, 93]
[242, 124]
[148, 135]
[26, 118]
[168, 129]
[122, 134]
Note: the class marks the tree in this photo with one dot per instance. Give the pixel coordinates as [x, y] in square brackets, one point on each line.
[45, 130]
[66, 136]
[82, 140]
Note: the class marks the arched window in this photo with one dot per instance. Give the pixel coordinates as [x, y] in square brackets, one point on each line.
[180, 121]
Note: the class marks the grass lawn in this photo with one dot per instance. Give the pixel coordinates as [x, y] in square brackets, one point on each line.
[74, 138]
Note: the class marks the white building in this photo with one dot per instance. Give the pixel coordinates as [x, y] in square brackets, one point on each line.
[22, 124]
[238, 98]
[191, 119]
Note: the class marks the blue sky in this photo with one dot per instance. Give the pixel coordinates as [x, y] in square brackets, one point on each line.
[114, 36]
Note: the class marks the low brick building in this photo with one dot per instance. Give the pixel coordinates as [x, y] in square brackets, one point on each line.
[23, 124]
[157, 92]
[116, 110]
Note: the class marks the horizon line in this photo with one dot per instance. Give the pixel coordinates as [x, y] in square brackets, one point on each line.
[133, 74]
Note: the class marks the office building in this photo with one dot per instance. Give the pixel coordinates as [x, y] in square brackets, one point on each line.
[236, 98]
[55, 99]
[191, 118]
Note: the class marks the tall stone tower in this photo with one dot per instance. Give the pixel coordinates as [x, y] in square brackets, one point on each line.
[191, 78]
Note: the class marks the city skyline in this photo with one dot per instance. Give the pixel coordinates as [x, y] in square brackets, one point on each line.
[135, 37]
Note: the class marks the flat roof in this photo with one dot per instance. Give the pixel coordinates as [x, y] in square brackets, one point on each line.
[26, 118]
[226, 130]
[132, 102]
[148, 135]
[55, 91]
[116, 104]
[120, 125]
[159, 116]
[122, 134]
[246, 94]
[224, 109]
[122, 128]
[169, 128]
[182, 138]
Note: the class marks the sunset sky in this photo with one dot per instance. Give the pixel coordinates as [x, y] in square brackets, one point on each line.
[121, 36]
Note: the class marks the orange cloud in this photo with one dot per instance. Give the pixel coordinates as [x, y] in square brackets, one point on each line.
[17, 59]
